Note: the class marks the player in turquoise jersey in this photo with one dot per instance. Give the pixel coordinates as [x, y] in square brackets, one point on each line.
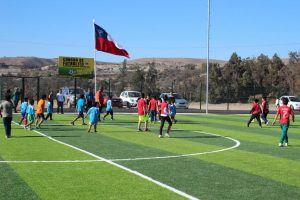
[109, 109]
[80, 108]
[23, 109]
[93, 113]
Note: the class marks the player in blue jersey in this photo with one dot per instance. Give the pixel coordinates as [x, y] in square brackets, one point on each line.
[93, 113]
[109, 109]
[49, 109]
[80, 108]
[30, 112]
[23, 109]
[172, 110]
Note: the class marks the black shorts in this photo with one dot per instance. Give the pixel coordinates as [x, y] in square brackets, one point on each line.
[40, 115]
[80, 114]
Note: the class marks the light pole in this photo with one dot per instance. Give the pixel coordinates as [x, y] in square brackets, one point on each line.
[207, 61]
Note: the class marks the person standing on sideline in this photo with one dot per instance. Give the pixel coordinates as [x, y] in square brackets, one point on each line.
[172, 111]
[93, 113]
[7, 108]
[89, 98]
[51, 100]
[165, 117]
[142, 113]
[40, 111]
[284, 111]
[99, 98]
[30, 115]
[80, 109]
[23, 109]
[255, 113]
[109, 108]
[153, 109]
[16, 98]
[265, 110]
[49, 109]
[60, 101]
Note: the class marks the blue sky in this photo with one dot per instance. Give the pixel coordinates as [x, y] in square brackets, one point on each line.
[156, 28]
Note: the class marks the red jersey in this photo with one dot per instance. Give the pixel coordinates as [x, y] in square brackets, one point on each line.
[285, 112]
[255, 109]
[265, 107]
[152, 104]
[164, 109]
[141, 106]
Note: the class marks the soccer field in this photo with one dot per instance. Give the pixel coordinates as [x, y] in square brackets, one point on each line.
[207, 157]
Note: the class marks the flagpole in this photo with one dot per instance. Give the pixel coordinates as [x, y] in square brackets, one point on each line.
[95, 64]
[207, 61]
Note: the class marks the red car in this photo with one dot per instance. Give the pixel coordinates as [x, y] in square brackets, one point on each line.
[116, 101]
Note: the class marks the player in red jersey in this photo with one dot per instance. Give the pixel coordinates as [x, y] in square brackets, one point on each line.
[152, 107]
[284, 111]
[265, 110]
[255, 113]
[165, 110]
[142, 112]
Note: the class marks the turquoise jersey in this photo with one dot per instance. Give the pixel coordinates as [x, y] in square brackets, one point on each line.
[30, 110]
[49, 107]
[108, 105]
[93, 113]
[80, 105]
[24, 106]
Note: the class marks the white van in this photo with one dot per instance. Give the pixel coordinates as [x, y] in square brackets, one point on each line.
[69, 93]
[130, 98]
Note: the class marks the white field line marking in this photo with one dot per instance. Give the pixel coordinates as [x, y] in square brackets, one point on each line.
[237, 144]
[121, 167]
[50, 161]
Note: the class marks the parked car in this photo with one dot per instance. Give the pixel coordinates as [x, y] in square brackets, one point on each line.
[116, 101]
[294, 102]
[69, 93]
[130, 98]
[180, 102]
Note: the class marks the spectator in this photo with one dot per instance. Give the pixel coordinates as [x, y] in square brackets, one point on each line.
[60, 101]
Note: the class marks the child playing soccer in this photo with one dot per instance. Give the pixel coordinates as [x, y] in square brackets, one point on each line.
[165, 117]
[23, 109]
[80, 108]
[255, 113]
[30, 115]
[109, 109]
[284, 111]
[49, 109]
[93, 113]
[40, 111]
[172, 110]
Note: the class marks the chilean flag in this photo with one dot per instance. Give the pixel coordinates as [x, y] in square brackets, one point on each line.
[104, 42]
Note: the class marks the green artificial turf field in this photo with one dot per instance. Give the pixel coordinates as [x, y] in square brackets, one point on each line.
[207, 157]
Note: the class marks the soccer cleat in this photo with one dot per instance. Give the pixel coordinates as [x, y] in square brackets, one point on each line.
[72, 123]
[167, 135]
[280, 145]
[160, 136]
[147, 129]
[285, 144]
[84, 124]
[139, 130]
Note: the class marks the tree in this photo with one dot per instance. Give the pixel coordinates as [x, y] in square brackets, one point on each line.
[138, 79]
[151, 78]
[122, 77]
[260, 70]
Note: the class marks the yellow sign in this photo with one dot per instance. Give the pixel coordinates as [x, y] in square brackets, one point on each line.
[75, 66]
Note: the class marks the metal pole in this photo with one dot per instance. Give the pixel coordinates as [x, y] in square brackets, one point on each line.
[207, 61]
[95, 64]
[38, 89]
[75, 88]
